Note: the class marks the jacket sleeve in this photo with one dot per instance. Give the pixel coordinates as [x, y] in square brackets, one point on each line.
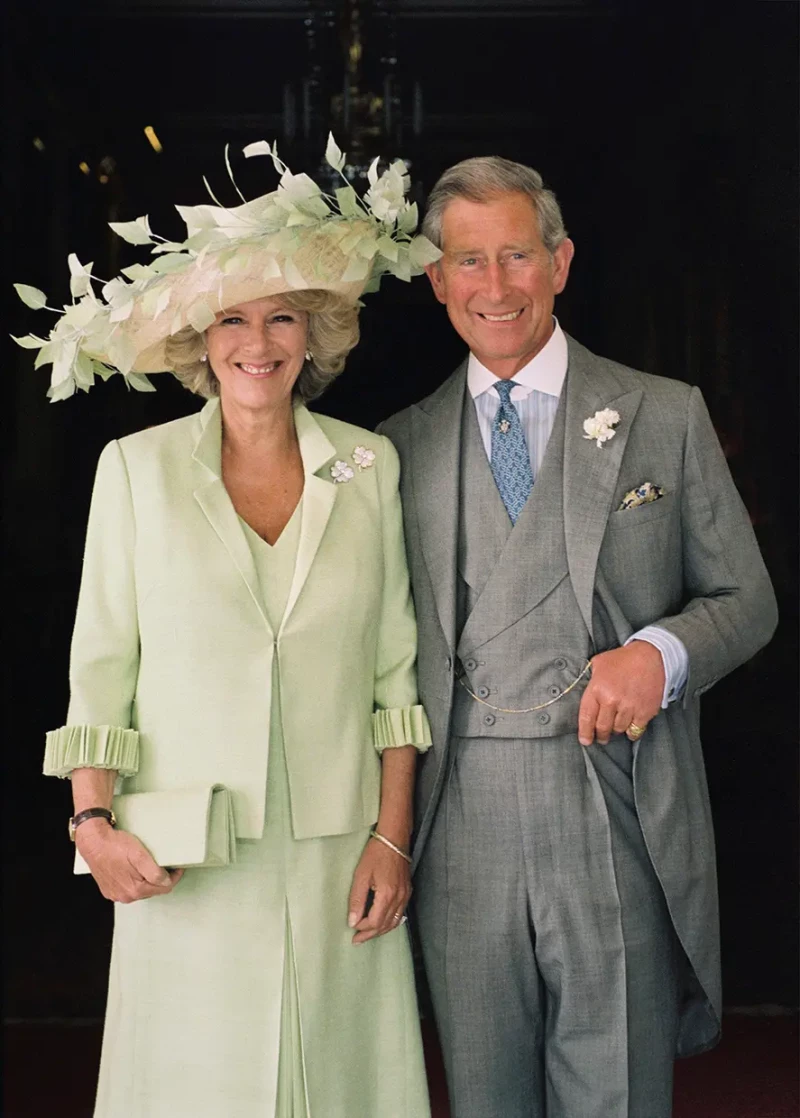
[398, 719]
[731, 611]
[104, 660]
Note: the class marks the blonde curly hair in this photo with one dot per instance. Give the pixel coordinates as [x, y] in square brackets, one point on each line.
[332, 333]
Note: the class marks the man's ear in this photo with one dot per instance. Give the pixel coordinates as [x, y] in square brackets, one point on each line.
[562, 258]
[435, 275]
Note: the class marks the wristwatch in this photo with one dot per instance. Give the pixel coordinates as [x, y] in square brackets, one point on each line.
[90, 813]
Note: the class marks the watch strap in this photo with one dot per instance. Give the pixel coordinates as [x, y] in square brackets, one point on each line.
[90, 813]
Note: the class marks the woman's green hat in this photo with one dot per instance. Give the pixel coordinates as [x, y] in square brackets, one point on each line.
[294, 238]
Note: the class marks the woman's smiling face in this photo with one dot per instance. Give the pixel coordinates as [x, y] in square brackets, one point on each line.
[256, 351]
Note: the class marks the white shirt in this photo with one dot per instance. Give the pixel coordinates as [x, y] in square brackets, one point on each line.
[535, 396]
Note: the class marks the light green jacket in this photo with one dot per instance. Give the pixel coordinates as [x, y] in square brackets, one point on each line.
[172, 654]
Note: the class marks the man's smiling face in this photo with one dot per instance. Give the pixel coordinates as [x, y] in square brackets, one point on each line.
[497, 279]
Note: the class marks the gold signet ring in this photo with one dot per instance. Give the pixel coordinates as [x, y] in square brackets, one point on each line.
[635, 731]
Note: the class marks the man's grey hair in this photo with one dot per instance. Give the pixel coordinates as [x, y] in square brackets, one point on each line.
[482, 179]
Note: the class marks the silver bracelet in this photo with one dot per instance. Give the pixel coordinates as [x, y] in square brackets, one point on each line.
[381, 838]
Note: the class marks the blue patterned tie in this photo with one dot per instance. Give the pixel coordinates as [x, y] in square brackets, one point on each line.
[511, 464]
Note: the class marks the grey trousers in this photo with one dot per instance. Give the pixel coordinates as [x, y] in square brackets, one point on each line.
[553, 967]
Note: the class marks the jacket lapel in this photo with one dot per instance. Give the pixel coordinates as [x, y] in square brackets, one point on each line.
[435, 460]
[213, 499]
[319, 496]
[318, 499]
[532, 562]
[590, 472]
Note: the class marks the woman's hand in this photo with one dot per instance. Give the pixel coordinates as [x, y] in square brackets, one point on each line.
[389, 877]
[121, 866]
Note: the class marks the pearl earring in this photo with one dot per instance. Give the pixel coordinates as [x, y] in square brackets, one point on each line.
[308, 355]
[204, 358]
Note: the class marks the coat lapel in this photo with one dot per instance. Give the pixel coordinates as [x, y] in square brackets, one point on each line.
[590, 472]
[532, 562]
[213, 499]
[318, 500]
[319, 496]
[435, 458]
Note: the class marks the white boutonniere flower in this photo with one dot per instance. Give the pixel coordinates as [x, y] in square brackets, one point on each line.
[601, 425]
[341, 472]
[363, 457]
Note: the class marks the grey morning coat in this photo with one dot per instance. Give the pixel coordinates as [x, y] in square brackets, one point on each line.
[688, 562]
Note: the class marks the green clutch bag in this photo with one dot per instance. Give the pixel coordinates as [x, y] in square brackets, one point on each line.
[185, 828]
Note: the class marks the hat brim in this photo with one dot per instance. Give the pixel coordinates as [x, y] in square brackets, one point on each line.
[219, 281]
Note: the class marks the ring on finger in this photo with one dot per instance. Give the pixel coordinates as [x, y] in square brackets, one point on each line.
[635, 731]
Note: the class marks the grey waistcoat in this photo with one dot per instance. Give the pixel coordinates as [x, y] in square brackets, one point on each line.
[522, 637]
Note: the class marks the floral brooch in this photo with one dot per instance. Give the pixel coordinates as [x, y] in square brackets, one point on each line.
[601, 426]
[341, 472]
[364, 459]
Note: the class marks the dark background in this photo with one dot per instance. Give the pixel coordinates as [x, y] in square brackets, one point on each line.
[669, 133]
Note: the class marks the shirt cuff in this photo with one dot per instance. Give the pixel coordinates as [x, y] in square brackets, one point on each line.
[674, 657]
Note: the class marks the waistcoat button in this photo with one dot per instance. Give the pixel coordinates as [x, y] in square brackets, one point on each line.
[553, 691]
[489, 719]
[470, 665]
[483, 692]
[543, 718]
[560, 663]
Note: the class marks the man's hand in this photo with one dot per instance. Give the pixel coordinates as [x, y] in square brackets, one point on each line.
[121, 866]
[627, 685]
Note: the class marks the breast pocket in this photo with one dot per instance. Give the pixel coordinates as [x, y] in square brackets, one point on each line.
[642, 514]
[641, 556]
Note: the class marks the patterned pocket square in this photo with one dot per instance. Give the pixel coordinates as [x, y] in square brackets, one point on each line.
[642, 495]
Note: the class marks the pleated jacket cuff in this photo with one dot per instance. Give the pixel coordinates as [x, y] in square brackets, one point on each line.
[91, 747]
[399, 726]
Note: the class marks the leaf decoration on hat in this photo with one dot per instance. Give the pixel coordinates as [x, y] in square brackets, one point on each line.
[31, 296]
[421, 252]
[357, 269]
[200, 316]
[260, 147]
[358, 240]
[334, 156]
[80, 276]
[294, 277]
[134, 232]
[29, 341]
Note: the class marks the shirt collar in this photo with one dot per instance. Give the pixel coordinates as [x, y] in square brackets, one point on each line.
[545, 372]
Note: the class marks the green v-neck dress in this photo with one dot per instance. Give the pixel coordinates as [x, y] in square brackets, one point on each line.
[242, 995]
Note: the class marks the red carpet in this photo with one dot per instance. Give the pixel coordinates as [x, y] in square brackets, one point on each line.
[753, 1073]
[50, 1070]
